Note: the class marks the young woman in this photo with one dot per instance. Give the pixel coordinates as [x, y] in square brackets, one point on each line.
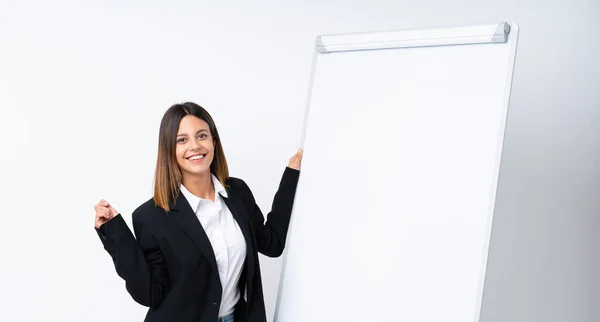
[194, 257]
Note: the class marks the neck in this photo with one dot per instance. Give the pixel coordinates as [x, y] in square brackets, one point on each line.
[200, 186]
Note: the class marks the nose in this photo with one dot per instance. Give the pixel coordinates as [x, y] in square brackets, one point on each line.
[194, 145]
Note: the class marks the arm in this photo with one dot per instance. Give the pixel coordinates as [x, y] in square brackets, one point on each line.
[271, 236]
[140, 263]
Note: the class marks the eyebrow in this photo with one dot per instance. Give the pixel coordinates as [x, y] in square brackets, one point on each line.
[202, 130]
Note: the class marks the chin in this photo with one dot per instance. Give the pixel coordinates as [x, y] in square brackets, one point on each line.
[196, 170]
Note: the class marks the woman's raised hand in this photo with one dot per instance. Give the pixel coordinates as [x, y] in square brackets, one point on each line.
[104, 213]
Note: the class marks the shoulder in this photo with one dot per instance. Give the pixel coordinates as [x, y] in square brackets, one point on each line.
[147, 212]
[237, 186]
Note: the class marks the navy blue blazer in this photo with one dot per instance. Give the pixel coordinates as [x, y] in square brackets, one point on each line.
[169, 265]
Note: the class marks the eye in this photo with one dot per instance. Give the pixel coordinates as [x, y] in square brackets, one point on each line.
[180, 140]
[203, 136]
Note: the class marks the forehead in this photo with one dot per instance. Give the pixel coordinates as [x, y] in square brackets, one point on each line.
[191, 124]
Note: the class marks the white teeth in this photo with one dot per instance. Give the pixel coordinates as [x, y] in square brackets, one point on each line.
[197, 157]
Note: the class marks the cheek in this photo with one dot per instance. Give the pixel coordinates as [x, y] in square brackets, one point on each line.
[179, 152]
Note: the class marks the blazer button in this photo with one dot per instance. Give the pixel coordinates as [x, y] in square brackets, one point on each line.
[214, 303]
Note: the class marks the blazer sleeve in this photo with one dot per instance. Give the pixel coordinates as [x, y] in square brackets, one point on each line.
[271, 235]
[139, 262]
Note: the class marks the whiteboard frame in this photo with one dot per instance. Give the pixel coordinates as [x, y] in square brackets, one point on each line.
[481, 34]
[503, 32]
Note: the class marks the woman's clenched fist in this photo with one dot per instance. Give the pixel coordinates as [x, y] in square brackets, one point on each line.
[104, 213]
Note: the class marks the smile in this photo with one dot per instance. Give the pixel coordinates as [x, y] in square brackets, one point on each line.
[196, 157]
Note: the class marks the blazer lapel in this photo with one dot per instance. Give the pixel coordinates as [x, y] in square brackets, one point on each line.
[186, 218]
[241, 216]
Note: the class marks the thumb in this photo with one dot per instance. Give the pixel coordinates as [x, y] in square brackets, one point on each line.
[113, 211]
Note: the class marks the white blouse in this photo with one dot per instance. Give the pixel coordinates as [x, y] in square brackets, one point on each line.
[227, 241]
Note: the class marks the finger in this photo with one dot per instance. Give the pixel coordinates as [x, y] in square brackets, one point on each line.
[103, 213]
[99, 208]
[112, 210]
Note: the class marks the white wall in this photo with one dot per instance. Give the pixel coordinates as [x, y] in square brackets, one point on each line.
[82, 90]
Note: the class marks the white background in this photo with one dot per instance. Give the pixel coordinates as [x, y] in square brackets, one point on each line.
[83, 87]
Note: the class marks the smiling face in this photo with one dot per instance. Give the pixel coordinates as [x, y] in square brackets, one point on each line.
[195, 147]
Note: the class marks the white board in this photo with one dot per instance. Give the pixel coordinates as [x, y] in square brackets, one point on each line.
[403, 140]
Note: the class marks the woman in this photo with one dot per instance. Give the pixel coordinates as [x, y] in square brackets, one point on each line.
[194, 256]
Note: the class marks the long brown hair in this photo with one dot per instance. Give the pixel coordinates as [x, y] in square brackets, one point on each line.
[168, 177]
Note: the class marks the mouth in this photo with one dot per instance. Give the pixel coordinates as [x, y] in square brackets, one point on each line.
[196, 157]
